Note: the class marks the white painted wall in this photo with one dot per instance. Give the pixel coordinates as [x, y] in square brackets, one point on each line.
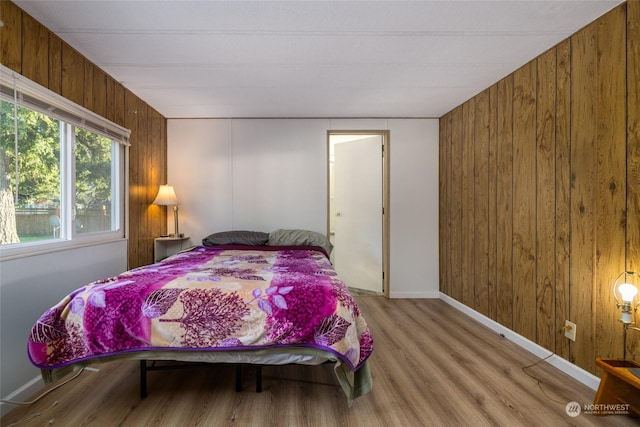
[264, 174]
[200, 169]
[31, 285]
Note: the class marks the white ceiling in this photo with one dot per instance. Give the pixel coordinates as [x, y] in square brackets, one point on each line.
[311, 58]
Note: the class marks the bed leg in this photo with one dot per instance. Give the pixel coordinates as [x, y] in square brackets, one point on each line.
[238, 378]
[258, 379]
[143, 379]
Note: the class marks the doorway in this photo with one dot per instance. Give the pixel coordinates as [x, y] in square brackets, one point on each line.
[358, 208]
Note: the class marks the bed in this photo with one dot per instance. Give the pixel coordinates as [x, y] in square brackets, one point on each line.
[241, 297]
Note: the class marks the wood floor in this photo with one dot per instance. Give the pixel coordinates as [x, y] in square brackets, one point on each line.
[431, 365]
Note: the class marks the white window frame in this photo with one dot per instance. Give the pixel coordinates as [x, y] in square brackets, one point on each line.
[41, 99]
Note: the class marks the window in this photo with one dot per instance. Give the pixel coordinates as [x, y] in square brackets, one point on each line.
[95, 181]
[62, 170]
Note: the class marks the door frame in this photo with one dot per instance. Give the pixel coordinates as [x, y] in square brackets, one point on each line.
[386, 211]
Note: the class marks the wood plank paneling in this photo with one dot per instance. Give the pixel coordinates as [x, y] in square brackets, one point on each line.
[468, 187]
[11, 36]
[110, 99]
[35, 48]
[449, 195]
[481, 203]
[145, 173]
[55, 63]
[99, 102]
[524, 201]
[137, 189]
[119, 108]
[73, 81]
[611, 189]
[562, 191]
[504, 203]
[566, 189]
[633, 149]
[100, 92]
[89, 89]
[583, 179]
[444, 218]
[95, 93]
[545, 199]
[456, 203]
[158, 162]
[492, 225]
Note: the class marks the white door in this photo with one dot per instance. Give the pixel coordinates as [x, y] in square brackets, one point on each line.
[357, 213]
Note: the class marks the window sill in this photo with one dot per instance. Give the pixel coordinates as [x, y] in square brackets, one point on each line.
[28, 250]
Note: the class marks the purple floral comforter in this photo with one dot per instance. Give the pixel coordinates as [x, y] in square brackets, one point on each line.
[207, 299]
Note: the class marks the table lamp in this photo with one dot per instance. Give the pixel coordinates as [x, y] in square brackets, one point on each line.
[625, 293]
[167, 197]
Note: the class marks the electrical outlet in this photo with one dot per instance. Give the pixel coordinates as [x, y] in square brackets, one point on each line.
[570, 330]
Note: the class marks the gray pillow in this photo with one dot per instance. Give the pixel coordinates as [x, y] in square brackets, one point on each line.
[237, 237]
[282, 237]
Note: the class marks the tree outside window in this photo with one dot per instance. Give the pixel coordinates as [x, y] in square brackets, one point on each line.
[32, 172]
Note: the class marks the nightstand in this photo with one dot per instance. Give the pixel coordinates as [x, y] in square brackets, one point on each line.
[164, 247]
[618, 384]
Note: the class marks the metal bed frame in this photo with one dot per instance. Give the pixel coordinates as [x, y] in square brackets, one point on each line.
[146, 366]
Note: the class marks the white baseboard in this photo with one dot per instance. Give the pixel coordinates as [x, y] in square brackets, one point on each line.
[574, 371]
[21, 394]
[415, 294]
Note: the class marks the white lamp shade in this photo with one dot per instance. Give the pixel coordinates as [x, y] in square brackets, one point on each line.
[166, 196]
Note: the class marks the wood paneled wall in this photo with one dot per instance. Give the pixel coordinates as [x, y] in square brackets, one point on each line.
[540, 191]
[32, 50]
